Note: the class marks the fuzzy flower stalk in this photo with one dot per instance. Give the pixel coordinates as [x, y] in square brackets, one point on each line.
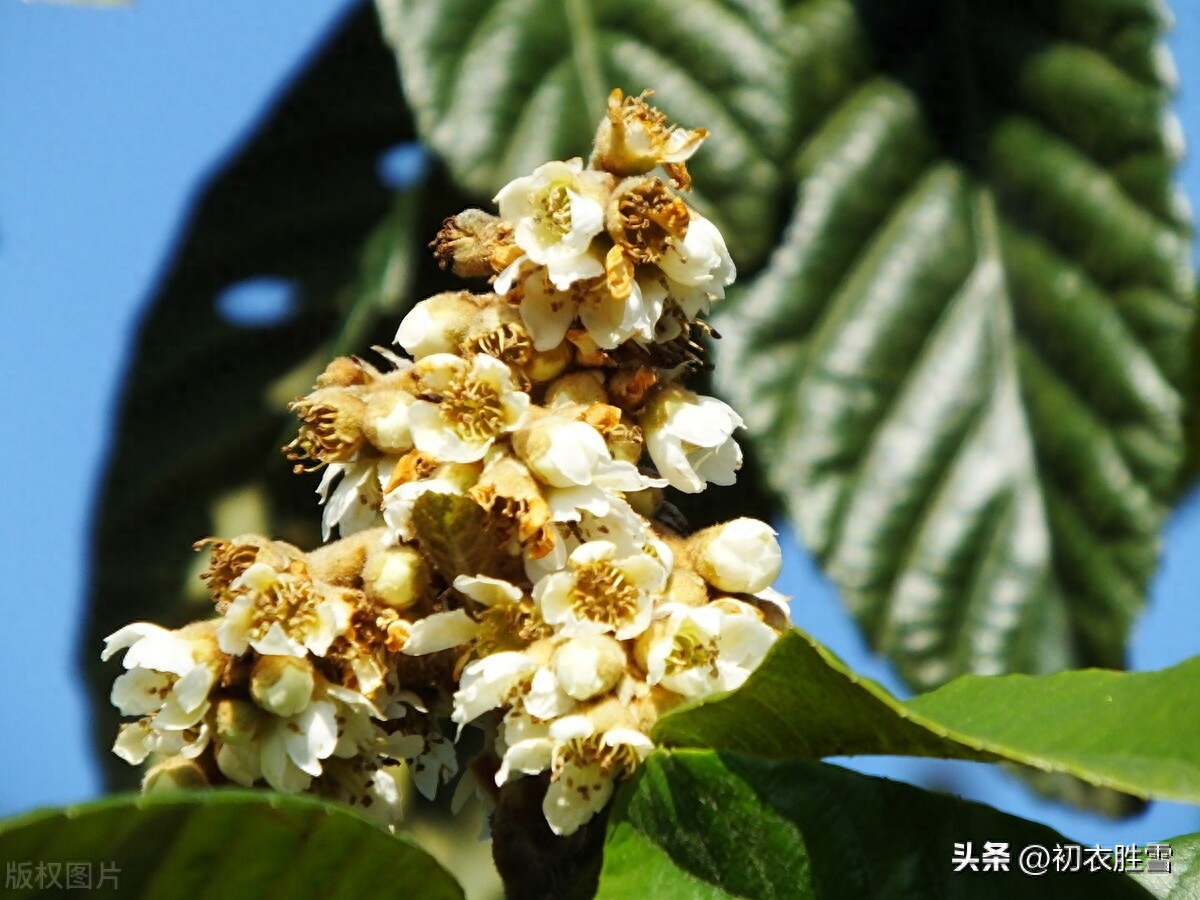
[505, 559]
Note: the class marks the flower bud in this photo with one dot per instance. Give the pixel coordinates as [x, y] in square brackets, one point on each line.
[385, 422]
[546, 365]
[236, 721]
[438, 324]
[740, 557]
[174, 774]
[282, 685]
[584, 387]
[475, 244]
[395, 576]
[589, 666]
[331, 428]
[560, 452]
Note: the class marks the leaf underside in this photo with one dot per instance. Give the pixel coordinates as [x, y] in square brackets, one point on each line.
[706, 825]
[217, 844]
[961, 365]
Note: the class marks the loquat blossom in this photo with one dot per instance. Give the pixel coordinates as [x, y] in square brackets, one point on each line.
[551, 596]
[556, 211]
[690, 438]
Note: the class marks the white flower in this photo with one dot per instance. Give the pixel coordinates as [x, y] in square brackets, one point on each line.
[690, 438]
[601, 592]
[440, 631]
[478, 401]
[489, 683]
[169, 677]
[430, 756]
[701, 260]
[286, 753]
[511, 679]
[353, 506]
[740, 557]
[610, 321]
[696, 651]
[556, 211]
[280, 613]
[585, 759]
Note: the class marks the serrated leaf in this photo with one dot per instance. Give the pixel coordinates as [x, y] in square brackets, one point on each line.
[961, 367]
[709, 825]
[500, 87]
[803, 702]
[202, 416]
[217, 844]
[1183, 881]
[452, 530]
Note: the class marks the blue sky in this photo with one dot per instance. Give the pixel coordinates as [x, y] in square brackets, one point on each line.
[110, 118]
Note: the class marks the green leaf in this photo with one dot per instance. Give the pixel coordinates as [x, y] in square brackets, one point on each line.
[962, 365]
[1183, 881]
[203, 411]
[803, 702]
[499, 88]
[221, 844]
[709, 825]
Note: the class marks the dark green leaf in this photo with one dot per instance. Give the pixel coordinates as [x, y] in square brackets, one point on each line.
[220, 844]
[709, 825]
[500, 87]
[804, 703]
[961, 367]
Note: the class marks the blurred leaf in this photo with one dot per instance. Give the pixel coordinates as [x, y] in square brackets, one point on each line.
[222, 844]
[803, 702]
[707, 825]
[1183, 881]
[499, 88]
[962, 365]
[1189, 473]
[202, 416]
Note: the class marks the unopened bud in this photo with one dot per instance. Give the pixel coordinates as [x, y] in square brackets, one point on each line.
[475, 244]
[740, 557]
[282, 685]
[174, 774]
[395, 577]
[385, 423]
[236, 721]
[589, 666]
[584, 388]
[438, 324]
[546, 365]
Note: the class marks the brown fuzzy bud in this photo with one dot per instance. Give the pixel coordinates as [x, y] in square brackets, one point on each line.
[474, 244]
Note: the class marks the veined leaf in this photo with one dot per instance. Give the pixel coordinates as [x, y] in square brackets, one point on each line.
[961, 366]
[803, 702]
[500, 87]
[216, 844]
[720, 825]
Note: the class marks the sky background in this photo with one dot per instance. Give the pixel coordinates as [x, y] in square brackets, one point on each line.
[110, 120]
